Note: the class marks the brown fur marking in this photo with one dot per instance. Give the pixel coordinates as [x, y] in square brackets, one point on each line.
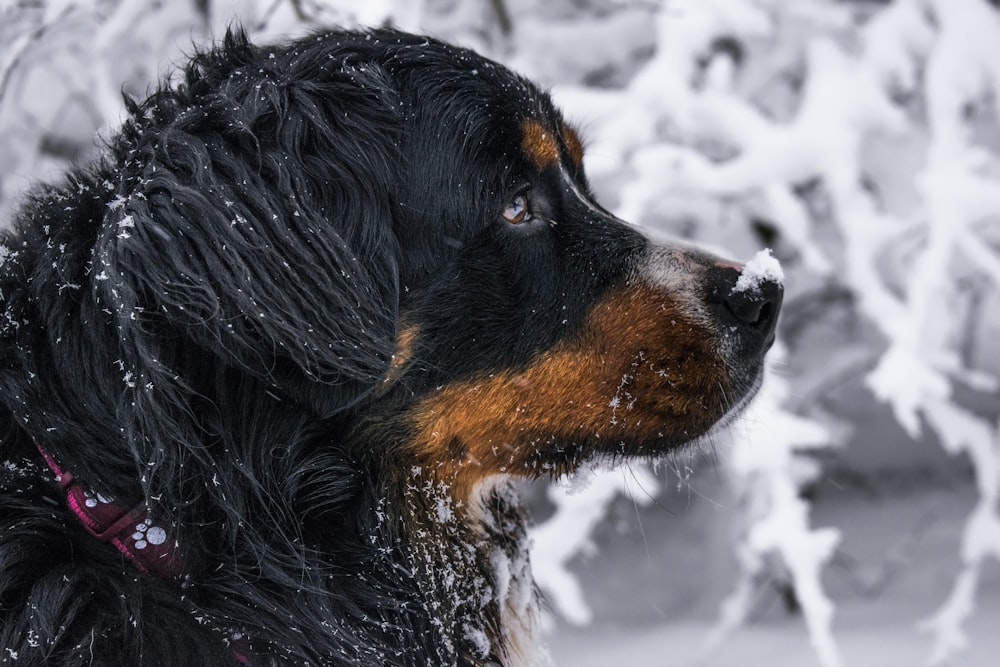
[574, 145]
[542, 149]
[539, 145]
[406, 338]
[643, 374]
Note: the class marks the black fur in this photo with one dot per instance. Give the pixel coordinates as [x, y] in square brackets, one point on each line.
[205, 317]
[199, 312]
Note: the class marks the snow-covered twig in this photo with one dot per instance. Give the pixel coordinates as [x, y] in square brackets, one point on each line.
[580, 506]
[962, 432]
[11, 59]
[769, 473]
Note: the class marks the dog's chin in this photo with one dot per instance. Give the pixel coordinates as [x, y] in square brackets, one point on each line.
[735, 410]
[703, 442]
[574, 459]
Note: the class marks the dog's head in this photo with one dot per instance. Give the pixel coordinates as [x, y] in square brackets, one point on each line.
[386, 230]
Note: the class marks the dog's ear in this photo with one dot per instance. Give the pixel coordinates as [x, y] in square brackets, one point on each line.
[253, 221]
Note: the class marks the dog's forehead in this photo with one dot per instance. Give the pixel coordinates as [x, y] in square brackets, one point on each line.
[502, 105]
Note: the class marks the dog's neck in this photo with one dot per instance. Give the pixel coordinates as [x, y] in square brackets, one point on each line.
[470, 558]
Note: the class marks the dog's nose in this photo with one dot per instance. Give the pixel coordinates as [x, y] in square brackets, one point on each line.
[751, 304]
[757, 307]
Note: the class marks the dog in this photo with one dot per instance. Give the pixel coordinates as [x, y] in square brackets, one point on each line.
[273, 364]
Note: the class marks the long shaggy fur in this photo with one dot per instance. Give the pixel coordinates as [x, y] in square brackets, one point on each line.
[278, 310]
[182, 318]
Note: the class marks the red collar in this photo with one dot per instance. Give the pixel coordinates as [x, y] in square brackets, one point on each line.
[134, 529]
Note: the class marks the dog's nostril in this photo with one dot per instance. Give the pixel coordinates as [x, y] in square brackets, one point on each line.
[756, 307]
[766, 313]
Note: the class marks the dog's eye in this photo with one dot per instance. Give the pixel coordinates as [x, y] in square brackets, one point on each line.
[517, 210]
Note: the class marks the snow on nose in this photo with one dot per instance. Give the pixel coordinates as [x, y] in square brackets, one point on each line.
[758, 272]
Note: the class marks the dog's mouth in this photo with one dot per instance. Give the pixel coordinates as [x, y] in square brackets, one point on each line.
[741, 404]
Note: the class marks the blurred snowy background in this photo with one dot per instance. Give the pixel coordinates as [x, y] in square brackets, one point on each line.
[852, 517]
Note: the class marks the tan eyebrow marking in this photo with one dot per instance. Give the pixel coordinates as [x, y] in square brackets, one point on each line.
[574, 145]
[538, 144]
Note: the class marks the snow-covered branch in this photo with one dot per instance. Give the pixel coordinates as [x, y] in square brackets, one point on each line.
[580, 505]
[689, 124]
[768, 474]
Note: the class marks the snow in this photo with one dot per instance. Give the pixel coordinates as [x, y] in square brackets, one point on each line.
[762, 268]
[479, 639]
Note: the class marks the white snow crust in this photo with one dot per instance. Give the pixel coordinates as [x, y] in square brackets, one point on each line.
[762, 268]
